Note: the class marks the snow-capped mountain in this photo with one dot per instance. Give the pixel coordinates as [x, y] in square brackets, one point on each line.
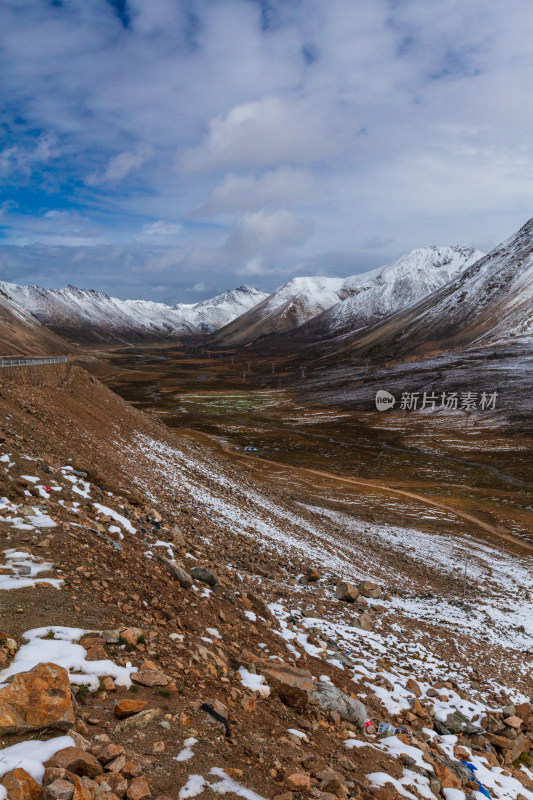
[89, 316]
[292, 304]
[210, 315]
[331, 306]
[383, 291]
[491, 301]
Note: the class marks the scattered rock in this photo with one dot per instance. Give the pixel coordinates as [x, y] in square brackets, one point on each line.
[312, 575]
[127, 707]
[298, 782]
[292, 684]
[138, 789]
[21, 786]
[260, 607]
[140, 720]
[132, 635]
[151, 677]
[369, 589]
[59, 790]
[364, 622]
[204, 575]
[176, 571]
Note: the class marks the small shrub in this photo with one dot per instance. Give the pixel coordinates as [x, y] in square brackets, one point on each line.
[81, 694]
[523, 758]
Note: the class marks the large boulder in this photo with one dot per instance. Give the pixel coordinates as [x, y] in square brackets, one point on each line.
[369, 589]
[76, 761]
[346, 591]
[176, 571]
[291, 684]
[36, 700]
[333, 700]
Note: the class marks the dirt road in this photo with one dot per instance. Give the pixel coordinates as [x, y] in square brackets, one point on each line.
[500, 533]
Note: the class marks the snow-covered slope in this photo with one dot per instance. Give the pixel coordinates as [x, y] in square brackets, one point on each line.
[331, 306]
[212, 314]
[383, 291]
[291, 305]
[89, 316]
[489, 302]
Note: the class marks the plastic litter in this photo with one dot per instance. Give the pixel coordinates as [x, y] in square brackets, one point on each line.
[386, 727]
[208, 708]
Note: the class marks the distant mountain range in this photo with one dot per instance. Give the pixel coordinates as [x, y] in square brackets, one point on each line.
[431, 298]
[86, 316]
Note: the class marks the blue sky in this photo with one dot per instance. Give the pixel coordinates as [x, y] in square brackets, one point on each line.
[172, 149]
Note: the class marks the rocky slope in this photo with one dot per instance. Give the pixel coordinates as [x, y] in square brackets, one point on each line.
[22, 335]
[91, 317]
[173, 628]
[331, 306]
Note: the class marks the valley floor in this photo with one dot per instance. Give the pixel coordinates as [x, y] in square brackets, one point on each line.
[190, 573]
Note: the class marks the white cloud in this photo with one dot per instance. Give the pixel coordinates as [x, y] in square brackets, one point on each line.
[264, 233]
[376, 119]
[247, 192]
[121, 165]
[27, 157]
[162, 228]
[266, 132]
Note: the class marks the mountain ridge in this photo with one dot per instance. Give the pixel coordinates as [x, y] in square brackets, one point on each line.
[87, 316]
[320, 307]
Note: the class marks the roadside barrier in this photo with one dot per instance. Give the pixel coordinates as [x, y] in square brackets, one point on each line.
[6, 361]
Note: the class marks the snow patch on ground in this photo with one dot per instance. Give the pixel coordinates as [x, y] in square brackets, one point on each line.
[61, 649]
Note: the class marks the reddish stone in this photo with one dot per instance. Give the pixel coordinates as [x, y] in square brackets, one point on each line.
[21, 786]
[126, 708]
[35, 700]
[77, 761]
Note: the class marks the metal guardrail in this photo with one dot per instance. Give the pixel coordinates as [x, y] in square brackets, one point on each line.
[5, 361]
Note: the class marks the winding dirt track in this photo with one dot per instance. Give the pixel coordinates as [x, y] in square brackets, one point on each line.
[497, 532]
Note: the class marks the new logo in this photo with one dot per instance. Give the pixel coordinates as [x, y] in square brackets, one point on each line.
[384, 400]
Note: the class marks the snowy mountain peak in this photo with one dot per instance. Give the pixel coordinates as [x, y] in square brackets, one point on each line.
[88, 315]
[404, 281]
[343, 304]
